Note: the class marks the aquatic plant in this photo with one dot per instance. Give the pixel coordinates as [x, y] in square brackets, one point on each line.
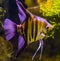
[50, 7]
[6, 50]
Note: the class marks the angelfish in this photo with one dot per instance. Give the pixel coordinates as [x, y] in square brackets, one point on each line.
[33, 29]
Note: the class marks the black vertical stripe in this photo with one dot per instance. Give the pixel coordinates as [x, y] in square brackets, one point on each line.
[36, 27]
[26, 29]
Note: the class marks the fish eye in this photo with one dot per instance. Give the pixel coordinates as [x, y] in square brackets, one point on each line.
[47, 28]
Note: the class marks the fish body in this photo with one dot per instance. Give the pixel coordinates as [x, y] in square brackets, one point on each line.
[33, 28]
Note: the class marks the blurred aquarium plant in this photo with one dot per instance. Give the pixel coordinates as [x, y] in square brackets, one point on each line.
[2, 13]
[6, 50]
[50, 7]
[29, 3]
